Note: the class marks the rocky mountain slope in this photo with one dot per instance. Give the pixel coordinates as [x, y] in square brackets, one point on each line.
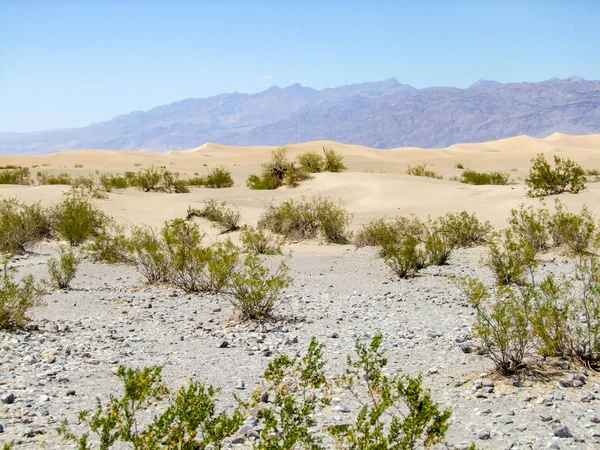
[383, 114]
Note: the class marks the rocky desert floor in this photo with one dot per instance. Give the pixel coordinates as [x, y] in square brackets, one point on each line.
[68, 358]
[108, 318]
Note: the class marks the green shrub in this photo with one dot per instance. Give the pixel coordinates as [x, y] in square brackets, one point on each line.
[483, 178]
[255, 291]
[395, 411]
[509, 258]
[566, 176]
[76, 219]
[22, 225]
[110, 245]
[311, 162]
[531, 225]
[110, 181]
[258, 242]
[17, 299]
[377, 233]
[420, 170]
[407, 258]
[438, 245]
[277, 172]
[62, 271]
[148, 254]
[578, 233]
[159, 179]
[465, 229]
[47, 179]
[15, 175]
[227, 219]
[223, 261]
[501, 323]
[89, 187]
[306, 220]
[459, 165]
[333, 161]
[218, 177]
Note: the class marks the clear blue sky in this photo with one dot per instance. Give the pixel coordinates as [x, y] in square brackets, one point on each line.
[70, 63]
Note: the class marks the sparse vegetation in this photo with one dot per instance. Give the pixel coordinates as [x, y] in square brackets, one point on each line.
[110, 245]
[464, 229]
[76, 219]
[509, 258]
[311, 162]
[531, 225]
[421, 170]
[333, 161]
[62, 270]
[297, 387]
[258, 242]
[62, 178]
[14, 175]
[579, 234]
[308, 220]
[148, 254]
[565, 176]
[17, 298]
[255, 291]
[226, 218]
[459, 165]
[159, 179]
[407, 258]
[484, 178]
[22, 225]
[218, 178]
[277, 172]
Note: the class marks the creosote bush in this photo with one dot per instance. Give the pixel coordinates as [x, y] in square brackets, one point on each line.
[510, 258]
[62, 270]
[159, 179]
[277, 172]
[308, 220]
[47, 179]
[311, 162]
[255, 291]
[14, 175]
[217, 177]
[259, 242]
[531, 225]
[333, 161]
[17, 298]
[76, 219]
[553, 318]
[226, 218]
[485, 178]
[565, 176]
[578, 234]
[464, 229]
[148, 255]
[396, 412]
[22, 225]
[109, 245]
[421, 170]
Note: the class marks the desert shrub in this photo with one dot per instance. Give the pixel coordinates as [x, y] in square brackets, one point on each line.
[110, 245]
[189, 420]
[578, 233]
[543, 179]
[311, 162]
[88, 186]
[148, 254]
[218, 177]
[377, 233]
[47, 179]
[14, 175]
[159, 179]
[395, 411]
[277, 172]
[509, 258]
[195, 181]
[22, 225]
[501, 323]
[256, 291]
[459, 165]
[110, 181]
[226, 218]
[76, 219]
[420, 170]
[223, 261]
[407, 258]
[438, 245]
[258, 242]
[308, 219]
[62, 270]
[482, 178]
[333, 161]
[17, 298]
[531, 225]
[465, 229]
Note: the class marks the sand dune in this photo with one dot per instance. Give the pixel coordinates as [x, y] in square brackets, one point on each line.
[375, 184]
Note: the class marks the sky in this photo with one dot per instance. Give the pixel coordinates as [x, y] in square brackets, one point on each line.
[70, 63]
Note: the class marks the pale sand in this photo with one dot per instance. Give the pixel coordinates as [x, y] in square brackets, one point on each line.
[375, 184]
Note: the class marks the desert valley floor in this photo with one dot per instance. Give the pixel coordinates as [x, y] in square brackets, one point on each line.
[339, 293]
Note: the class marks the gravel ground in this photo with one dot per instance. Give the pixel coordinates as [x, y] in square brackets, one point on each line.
[110, 318]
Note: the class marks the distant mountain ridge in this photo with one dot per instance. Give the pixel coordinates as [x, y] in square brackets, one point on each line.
[384, 114]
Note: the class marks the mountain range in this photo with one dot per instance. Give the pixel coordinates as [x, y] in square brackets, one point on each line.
[383, 114]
